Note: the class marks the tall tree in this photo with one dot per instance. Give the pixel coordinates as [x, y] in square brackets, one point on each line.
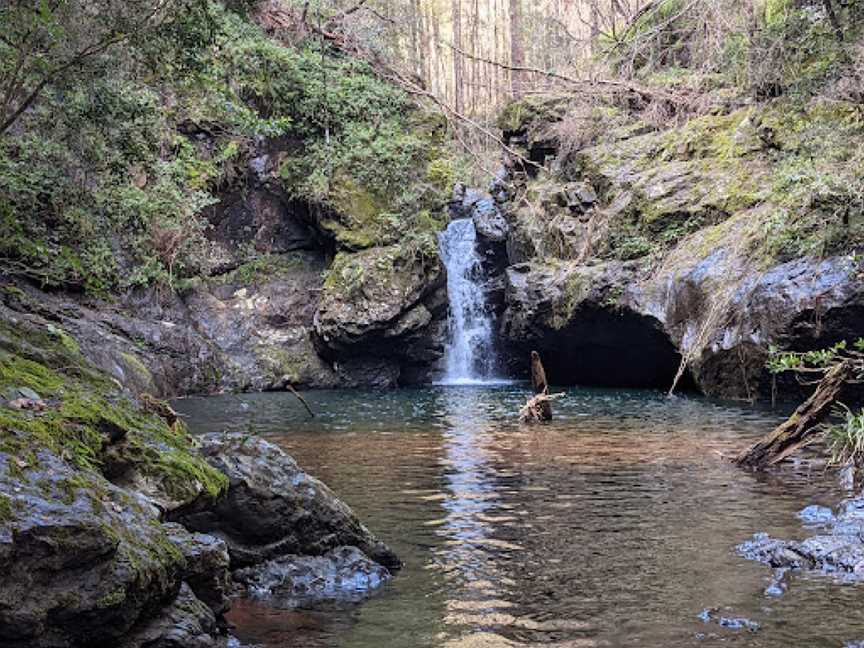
[517, 53]
[458, 62]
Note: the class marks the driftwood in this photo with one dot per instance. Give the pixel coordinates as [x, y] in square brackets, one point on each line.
[160, 408]
[538, 409]
[803, 426]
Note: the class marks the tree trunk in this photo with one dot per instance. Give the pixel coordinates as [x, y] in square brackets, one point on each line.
[458, 80]
[517, 54]
[802, 426]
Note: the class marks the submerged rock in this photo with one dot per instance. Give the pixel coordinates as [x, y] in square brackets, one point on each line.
[728, 622]
[838, 552]
[273, 508]
[342, 574]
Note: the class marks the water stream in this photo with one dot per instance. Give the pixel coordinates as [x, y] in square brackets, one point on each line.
[613, 526]
[470, 353]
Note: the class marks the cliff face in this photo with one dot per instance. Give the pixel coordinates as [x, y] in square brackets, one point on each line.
[226, 211]
[644, 253]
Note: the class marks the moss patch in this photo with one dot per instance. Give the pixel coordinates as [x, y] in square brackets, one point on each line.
[5, 509]
[83, 414]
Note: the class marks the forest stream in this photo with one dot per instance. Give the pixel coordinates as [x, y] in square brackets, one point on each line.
[616, 525]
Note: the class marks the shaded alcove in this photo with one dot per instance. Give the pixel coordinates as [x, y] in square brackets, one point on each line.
[607, 348]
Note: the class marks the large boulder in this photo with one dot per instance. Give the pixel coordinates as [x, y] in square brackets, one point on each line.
[84, 560]
[387, 306]
[273, 508]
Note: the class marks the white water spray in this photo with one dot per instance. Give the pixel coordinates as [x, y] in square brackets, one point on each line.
[469, 353]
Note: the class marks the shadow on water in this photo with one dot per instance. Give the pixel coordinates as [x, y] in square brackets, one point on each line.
[613, 526]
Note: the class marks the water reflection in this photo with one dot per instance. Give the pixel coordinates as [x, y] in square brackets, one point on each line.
[614, 526]
[472, 501]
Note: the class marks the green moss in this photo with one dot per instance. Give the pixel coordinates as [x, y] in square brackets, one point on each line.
[5, 509]
[82, 415]
[532, 110]
[111, 599]
[16, 371]
[776, 11]
[267, 267]
[575, 289]
[69, 343]
[140, 369]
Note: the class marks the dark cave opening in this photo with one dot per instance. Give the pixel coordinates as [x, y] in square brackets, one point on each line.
[609, 348]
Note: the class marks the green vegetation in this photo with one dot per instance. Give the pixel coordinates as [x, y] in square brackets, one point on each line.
[846, 439]
[105, 181]
[781, 48]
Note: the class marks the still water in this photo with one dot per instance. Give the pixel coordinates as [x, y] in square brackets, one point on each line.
[613, 526]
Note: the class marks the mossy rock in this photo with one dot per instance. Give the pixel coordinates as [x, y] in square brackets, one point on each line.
[532, 111]
[86, 414]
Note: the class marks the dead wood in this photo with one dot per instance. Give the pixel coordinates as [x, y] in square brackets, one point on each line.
[299, 397]
[538, 409]
[803, 426]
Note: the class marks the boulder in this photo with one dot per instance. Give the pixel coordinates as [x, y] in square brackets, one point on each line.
[185, 622]
[273, 508]
[84, 561]
[384, 305]
[206, 566]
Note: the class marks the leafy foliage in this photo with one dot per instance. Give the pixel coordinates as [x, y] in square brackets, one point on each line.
[107, 182]
[846, 440]
[817, 360]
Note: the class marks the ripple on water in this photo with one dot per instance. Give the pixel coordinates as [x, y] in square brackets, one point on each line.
[613, 526]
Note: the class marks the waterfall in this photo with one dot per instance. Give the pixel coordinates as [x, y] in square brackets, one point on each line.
[469, 352]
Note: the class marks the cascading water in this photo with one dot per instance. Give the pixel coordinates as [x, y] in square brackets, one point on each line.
[469, 355]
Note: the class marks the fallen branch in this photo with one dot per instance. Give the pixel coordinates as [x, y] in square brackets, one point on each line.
[645, 93]
[291, 389]
[803, 426]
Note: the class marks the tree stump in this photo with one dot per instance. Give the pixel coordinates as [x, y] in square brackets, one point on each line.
[803, 426]
[538, 408]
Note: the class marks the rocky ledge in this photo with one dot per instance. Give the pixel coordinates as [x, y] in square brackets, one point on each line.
[631, 253]
[118, 528]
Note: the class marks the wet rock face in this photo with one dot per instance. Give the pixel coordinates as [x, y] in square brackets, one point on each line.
[273, 508]
[262, 219]
[84, 561]
[261, 314]
[685, 211]
[587, 328]
[186, 622]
